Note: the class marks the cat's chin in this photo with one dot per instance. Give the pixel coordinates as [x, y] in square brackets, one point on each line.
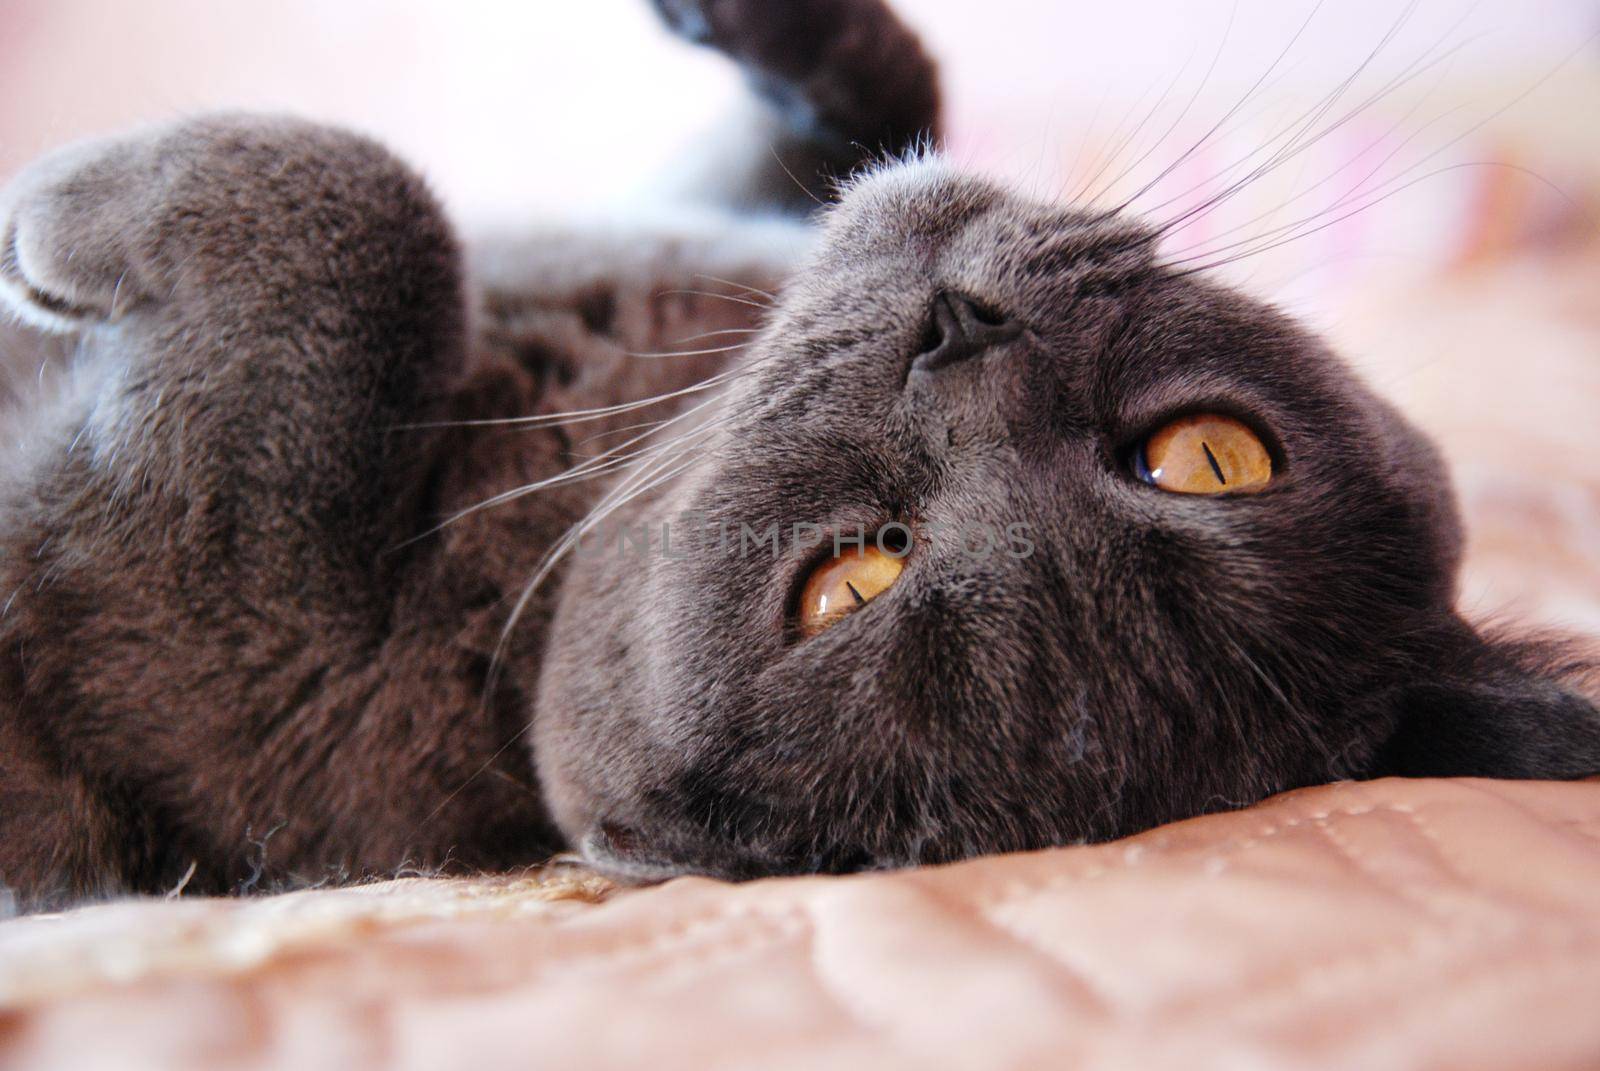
[599, 854]
[628, 857]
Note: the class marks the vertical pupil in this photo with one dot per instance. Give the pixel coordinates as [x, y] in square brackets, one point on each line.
[1212, 460]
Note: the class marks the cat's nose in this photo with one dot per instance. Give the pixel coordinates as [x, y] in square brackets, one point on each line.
[960, 327]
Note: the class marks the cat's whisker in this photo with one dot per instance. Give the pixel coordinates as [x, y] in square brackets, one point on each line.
[1233, 110]
[579, 416]
[1355, 190]
[1296, 134]
[716, 334]
[1507, 106]
[611, 459]
[744, 287]
[773, 150]
[1361, 188]
[1207, 247]
[1111, 158]
[598, 465]
[1183, 114]
[1080, 156]
[1302, 721]
[629, 487]
[688, 353]
[613, 500]
[1318, 221]
[1239, 121]
[1298, 137]
[1415, 70]
[648, 477]
[496, 667]
[622, 460]
[1119, 142]
[597, 436]
[720, 297]
[1377, 199]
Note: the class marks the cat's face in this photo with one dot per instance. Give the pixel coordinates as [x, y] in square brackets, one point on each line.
[1124, 655]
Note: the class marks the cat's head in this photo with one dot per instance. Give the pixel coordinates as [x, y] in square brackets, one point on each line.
[1161, 555]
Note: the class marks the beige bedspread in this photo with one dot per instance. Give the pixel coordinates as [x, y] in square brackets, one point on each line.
[1389, 924]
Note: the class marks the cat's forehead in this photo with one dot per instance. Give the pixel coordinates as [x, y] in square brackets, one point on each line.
[925, 213]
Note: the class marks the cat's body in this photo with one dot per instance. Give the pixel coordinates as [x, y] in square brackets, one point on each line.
[228, 659]
[376, 749]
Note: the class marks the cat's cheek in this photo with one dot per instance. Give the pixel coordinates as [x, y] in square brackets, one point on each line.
[562, 795]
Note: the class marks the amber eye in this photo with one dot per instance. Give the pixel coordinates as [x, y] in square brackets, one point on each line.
[844, 584]
[1205, 454]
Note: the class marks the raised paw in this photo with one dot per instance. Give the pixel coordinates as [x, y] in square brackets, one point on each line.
[65, 231]
[846, 71]
[216, 211]
[686, 18]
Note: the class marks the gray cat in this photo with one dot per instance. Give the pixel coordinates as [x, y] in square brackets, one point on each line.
[999, 534]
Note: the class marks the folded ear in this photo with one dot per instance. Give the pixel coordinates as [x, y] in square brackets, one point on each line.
[1504, 711]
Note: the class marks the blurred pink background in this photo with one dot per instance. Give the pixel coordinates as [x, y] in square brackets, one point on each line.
[520, 109]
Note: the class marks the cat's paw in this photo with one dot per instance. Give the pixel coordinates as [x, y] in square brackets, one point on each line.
[210, 213]
[753, 31]
[794, 38]
[838, 71]
[686, 18]
[69, 226]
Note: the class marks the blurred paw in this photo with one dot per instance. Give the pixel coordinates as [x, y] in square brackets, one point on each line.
[65, 228]
[686, 18]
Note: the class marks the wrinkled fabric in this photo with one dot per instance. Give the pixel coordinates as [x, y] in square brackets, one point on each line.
[1374, 925]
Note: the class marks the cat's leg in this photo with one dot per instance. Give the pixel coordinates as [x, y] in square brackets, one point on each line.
[839, 83]
[208, 610]
[60, 839]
